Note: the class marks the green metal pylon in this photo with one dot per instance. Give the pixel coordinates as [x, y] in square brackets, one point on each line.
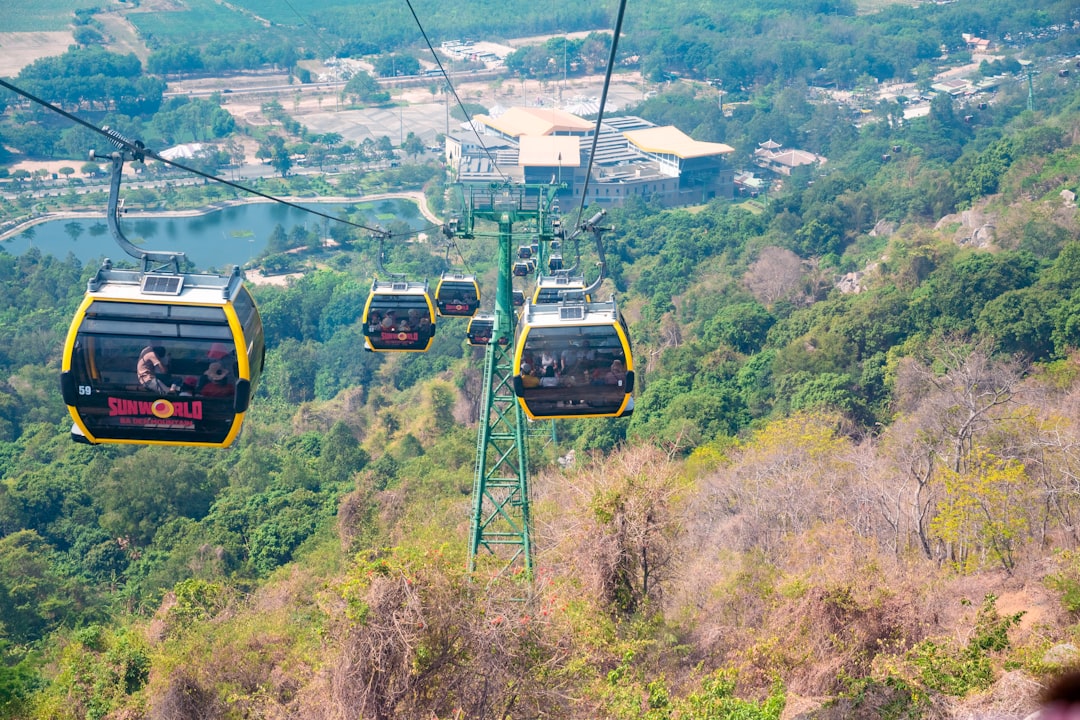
[500, 509]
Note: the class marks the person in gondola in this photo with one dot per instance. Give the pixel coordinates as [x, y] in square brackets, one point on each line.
[548, 359]
[216, 382]
[549, 379]
[617, 374]
[219, 351]
[153, 370]
[528, 379]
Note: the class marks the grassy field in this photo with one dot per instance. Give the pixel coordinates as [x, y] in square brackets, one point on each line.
[865, 7]
[41, 15]
[204, 19]
[282, 12]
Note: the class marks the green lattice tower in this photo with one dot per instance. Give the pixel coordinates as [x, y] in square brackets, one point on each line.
[500, 510]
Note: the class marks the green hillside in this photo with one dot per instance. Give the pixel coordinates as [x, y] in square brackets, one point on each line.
[848, 488]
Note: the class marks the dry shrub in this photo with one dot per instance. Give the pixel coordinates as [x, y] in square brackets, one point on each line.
[353, 515]
[1013, 697]
[346, 407]
[792, 475]
[185, 698]
[616, 527]
[825, 612]
[726, 606]
[424, 643]
[249, 677]
[834, 632]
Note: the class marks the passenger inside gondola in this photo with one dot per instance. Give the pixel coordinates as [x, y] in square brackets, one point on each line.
[550, 378]
[528, 377]
[216, 382]
[152, 369]
[616, 375]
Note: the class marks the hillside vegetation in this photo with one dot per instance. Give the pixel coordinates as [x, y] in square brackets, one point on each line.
[848, 489]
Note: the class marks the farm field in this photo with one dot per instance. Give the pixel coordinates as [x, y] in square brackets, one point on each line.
[26, 16]
[19, 49]
[204, 19]
[281, 12]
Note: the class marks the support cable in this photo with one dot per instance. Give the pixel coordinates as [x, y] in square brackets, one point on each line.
[450, 85]
[603, 103]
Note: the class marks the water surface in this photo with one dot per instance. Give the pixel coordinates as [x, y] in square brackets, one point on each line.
[229, 236]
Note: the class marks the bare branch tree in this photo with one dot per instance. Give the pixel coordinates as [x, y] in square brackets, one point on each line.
[775, 275]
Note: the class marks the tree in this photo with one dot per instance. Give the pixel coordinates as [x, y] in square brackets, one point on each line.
[146, 489]
[280, 158]
[948, 401]
[774, 276]
[363, 88]
[1021, 321]
[982, 511]
[396, 64]
[413, 145]
[33, 596]
[742, 326]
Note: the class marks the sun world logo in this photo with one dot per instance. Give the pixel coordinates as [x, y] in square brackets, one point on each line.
[160, 408]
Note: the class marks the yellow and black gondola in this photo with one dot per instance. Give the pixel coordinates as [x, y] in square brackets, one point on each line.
[398, 317]
[573, 360]
[552, 289]
[457, 295]
[481, 327]
[162, 358]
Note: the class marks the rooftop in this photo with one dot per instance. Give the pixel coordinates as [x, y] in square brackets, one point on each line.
[670, 140]
[549, 150]
[519, 121]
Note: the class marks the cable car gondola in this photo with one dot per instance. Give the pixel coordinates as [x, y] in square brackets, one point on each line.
[551, 289]
[555, 263]
[481, 327]
[398, 317]
[573, 360]
[157, 356]
[209, 335]
[524, 252]
[457, 295]
[517, 297]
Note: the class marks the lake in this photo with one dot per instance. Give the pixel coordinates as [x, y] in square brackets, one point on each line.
[229, 236]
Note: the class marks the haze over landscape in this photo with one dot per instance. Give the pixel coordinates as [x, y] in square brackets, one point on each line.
[847, 488]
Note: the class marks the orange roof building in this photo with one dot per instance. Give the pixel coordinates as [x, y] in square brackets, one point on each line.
[631, 157]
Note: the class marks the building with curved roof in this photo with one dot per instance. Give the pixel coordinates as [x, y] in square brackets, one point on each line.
[631, 157]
